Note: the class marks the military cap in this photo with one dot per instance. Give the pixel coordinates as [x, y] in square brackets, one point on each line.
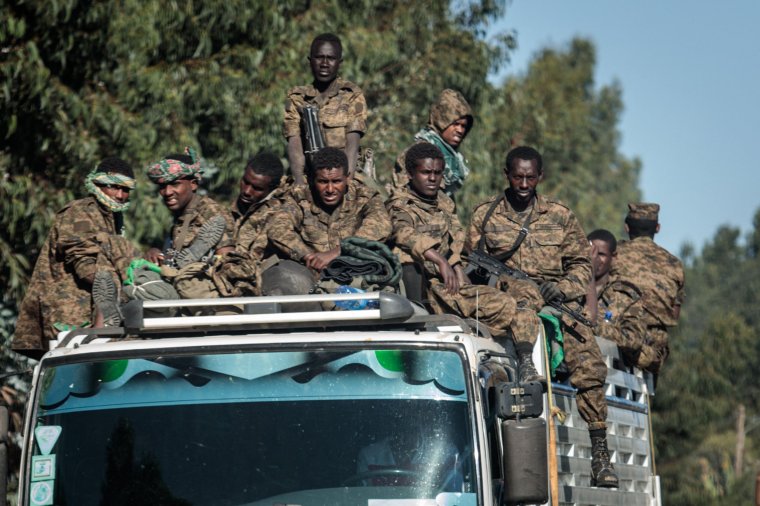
[643, 211]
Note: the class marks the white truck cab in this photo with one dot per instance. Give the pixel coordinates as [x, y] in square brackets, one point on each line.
[372, 407]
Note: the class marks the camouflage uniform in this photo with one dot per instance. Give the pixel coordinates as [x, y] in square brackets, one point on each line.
[250, 227]
[419, 225]
[660, 277]
[342, 109]
[450, 107]
[199, 279]
[300, 226]
[85, 237]
[621, 320]
[556, 249]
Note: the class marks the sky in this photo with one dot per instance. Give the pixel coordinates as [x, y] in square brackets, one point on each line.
[690, 74]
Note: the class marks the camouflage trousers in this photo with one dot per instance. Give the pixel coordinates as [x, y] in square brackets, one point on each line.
[587, 372]
[497, 310]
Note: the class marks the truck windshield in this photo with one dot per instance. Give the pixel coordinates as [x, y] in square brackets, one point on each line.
[332, 427]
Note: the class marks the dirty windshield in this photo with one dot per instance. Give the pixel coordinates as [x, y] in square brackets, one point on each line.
[256, 428]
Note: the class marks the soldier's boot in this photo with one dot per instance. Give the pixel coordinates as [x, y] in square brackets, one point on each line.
[528, 370]
[106, 298]
[602, 472]
[208, 236]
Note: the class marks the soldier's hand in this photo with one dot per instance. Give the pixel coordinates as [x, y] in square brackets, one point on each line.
[450, 279]
[319, 261]
[155, 255]
[551, 292]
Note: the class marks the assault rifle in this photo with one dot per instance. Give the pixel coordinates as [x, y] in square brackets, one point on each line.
[485, 270]
[312, 132]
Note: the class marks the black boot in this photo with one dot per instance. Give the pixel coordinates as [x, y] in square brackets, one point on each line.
[528, 371]
[602, 471]
[105, 295]
[208, 235]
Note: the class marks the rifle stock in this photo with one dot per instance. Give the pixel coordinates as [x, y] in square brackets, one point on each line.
[489, 268]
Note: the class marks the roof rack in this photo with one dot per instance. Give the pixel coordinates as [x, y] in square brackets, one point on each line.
[285, 312]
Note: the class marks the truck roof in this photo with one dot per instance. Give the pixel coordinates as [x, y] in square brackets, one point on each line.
[270, 320]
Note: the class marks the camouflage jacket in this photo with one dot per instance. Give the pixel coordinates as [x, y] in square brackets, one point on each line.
[342, 109]
[250, 227]
[659, 274]
[200, 209]
[60, 287]
[420, 224]
[300, 227]
[620, 314]
[555, 249]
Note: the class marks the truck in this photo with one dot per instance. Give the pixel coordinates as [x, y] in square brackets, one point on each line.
[367, 400]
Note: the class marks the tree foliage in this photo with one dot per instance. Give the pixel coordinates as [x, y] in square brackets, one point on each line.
[712, 370]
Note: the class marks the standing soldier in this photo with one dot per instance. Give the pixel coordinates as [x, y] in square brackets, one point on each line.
[426, 231]
[341, 104]
[620, 303]
[87, 236]
[541, 237]
[658, 273]
[449, 123]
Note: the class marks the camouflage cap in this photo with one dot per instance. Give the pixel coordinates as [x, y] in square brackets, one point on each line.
[643, 211]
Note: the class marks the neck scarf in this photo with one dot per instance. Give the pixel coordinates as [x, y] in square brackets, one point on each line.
[456, 169]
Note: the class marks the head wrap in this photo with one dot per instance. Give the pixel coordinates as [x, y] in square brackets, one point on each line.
[643, 211]
[96, 179]
[168, 170]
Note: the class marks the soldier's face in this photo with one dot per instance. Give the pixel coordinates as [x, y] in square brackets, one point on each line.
[325, 62]
[178, 194]
[330, 185]
[455, 133]
[523, 178]
[118, 193]
[601, 258]
[426, 177]
[253, 188]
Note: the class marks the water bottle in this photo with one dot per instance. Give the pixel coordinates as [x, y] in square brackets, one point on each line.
[354, 304]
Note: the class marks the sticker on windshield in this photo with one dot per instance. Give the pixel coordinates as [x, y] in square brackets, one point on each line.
[46, 437]
[43, 467]
[41, 493]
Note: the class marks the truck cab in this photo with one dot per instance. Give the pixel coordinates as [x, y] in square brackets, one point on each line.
[378, 406]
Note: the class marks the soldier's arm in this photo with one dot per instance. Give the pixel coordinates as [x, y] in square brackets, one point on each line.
[376, 224]
[576, 262]
[76, 243]
[407, 238]
[291, 130]
[357, 125]
[284, 232]
[474, 231]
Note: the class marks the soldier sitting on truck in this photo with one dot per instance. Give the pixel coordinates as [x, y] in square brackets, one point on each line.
[426, 230]
[620, 304]
[657, 272]
[341, 103]
[261, 190]
[309, 226]
[87, 235]
[553, 252]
